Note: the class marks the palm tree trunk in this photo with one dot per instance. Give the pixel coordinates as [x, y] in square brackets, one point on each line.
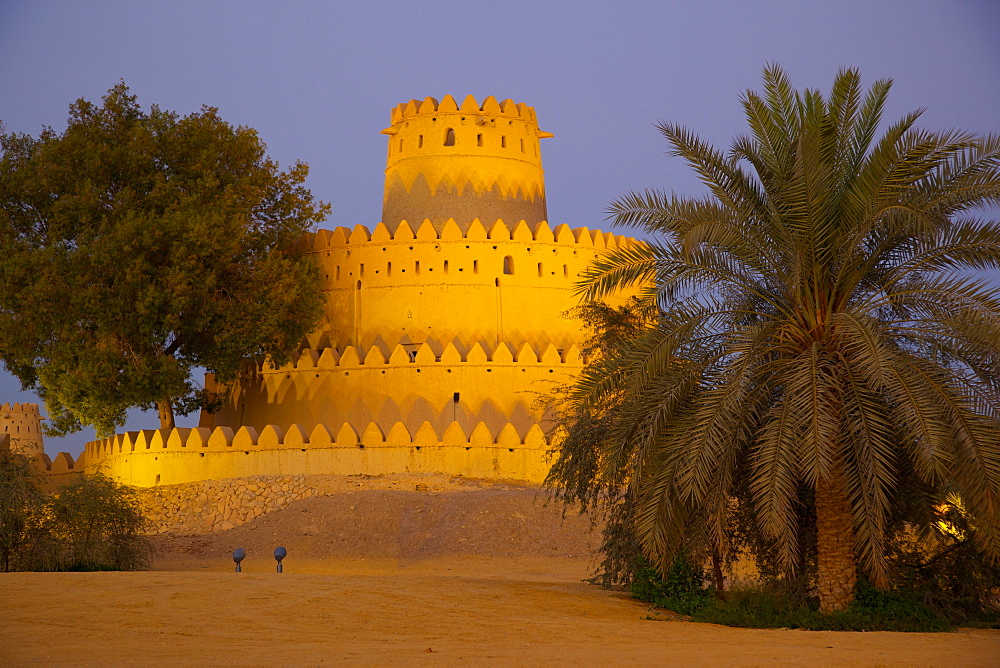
[720, 580]
[835, 544]
[166, 410]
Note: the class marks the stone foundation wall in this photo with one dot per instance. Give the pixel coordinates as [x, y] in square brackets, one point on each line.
[218, 505]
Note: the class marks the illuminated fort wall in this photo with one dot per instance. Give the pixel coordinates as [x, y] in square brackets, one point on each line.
[444, 325]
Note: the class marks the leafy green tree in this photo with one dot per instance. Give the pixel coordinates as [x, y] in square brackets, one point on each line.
[822, 339]
[138, 245]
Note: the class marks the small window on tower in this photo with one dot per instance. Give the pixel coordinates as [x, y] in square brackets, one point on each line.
[420, 141]
[449, 137]
[503, 142]
[479, 140]
[508, 265]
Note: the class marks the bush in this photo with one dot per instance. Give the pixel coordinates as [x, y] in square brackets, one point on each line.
[872, 610]
[775, 605]
[20, 501]
[683, 590]
[92, 523]
[97, 524]
[947, 571]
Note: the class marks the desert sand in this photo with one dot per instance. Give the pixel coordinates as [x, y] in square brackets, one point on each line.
[453, 574]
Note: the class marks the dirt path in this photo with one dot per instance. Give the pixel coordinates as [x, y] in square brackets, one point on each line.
[389, 578]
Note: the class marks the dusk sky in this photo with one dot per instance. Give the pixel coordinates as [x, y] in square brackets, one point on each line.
[317, 79]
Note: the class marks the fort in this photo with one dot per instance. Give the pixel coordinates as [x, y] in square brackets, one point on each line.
[444, 325]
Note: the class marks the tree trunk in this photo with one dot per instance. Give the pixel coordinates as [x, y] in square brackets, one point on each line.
[166, 410]
[835, 544]
[720, 580]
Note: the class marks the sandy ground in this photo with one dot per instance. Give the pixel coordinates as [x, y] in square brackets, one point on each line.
[380, 577]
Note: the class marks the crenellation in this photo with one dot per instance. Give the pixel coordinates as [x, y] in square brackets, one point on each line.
[245, 438]
[499, 231]
[224, 442]
[272, 436]
[324, 240]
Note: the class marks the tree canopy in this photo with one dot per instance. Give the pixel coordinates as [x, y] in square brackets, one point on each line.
[819, 350]
[139, 245]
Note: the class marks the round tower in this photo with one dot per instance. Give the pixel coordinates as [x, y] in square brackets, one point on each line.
[453, 308]
[463, 162]
[446, 322]
[23, 423]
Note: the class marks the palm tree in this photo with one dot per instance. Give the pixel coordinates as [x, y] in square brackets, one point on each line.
[818, 326]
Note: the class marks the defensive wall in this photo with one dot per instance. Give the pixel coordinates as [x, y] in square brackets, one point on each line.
[154, 457]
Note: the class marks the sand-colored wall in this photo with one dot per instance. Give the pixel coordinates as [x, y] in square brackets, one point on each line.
[155, 457]
[510, 283]
[446, 161]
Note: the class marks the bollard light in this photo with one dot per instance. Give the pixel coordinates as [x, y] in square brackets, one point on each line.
[238, 555]
[279, 554]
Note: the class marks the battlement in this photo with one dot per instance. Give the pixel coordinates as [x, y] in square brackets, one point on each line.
[30, 409]
[429, 106]
[159, 456]
[272, 437]
[563, 235]
[429, 352]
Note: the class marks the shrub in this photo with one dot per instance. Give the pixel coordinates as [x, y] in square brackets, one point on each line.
[20, 501]
[97, 524]
[775, 605]
[872, 610]
[92, 523]
[682, 590]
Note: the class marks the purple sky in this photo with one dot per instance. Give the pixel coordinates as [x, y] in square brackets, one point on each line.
[317, 79]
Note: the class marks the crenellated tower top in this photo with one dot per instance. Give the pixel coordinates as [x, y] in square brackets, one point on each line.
[23, 424]
[463, 162]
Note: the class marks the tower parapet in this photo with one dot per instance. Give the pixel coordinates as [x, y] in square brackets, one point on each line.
[447, 161]
[23, 424]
